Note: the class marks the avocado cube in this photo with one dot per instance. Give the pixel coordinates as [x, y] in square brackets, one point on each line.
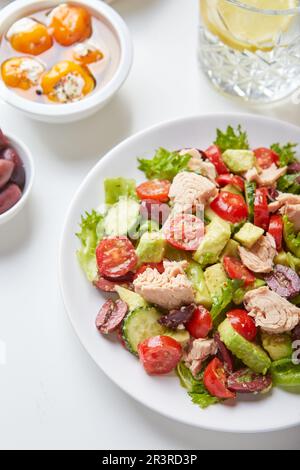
[215, 278]
[216, 237]
[239, 161]
[195, 274]
[212, 215]
[133, 300]
[278, 346]
[231, 249]
[229, 188]
[248, 235]
[151, 248]
[250, 353]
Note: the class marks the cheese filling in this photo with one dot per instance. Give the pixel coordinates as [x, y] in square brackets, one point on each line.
[82, 49]
[69, 88]
[31, 69]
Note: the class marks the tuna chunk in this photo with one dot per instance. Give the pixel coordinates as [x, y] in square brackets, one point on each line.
[196, 163]
[288, 204]
[267, 177]
[292, 211]
[260, 258]
[189, 190]
[282, 200]
[271, 312]
[169, 290]
[199, 351]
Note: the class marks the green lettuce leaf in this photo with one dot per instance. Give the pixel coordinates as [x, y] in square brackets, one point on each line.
[291, 238]
[119, 187]
[232, 139]
[286, 153]
[204, 400]
[164, 164]
[287, 259]
[89, 235]
[195, 388]
[289, 183]
[224, 299]
[239, 294]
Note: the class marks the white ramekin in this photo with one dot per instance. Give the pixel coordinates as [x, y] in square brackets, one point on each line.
[27, 160]
[90, 104]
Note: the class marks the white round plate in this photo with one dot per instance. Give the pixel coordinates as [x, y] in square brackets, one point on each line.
[280, 409]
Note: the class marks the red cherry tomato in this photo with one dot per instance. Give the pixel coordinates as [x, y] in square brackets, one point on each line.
[242, 323]
[276, 230]
[236, 270]
[200, 324]
[261, 211]
[184, 231]
[229, 206]
[214, 155]
[115, 256]
[265, 157]
[215, 380]
[159, 266]
[158, 190]
[234, 180]
[159, 354]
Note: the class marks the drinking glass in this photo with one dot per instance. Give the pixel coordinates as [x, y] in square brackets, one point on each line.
[251, 48]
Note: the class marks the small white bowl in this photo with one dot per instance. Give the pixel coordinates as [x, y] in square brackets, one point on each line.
[27, 159]
[90, 104]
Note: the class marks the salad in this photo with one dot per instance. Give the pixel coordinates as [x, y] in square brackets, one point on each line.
[202, 261]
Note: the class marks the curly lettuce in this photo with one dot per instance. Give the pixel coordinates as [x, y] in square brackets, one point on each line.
[224, 299]
[289, 184]
[232, 139]
[291, 238]
[164, 164]
[286, 153]
[195, 388]
[90, 234]
[287, 259]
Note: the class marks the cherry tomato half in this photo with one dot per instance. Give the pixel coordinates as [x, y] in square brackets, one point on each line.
[261, 211]
[159, 266]
[159, 354]
[215, 380]
[276, 230]
[234, 180]
[214, 155]
[157, 190]
[265, 157]
[229, 206]
[184, 231]
[200, 324]
[236, 270]
[115, 256]
[242, 323]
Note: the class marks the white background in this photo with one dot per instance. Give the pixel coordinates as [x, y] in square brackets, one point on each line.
[51, 393]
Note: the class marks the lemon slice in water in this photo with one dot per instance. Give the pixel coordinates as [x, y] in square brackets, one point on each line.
[240, 28]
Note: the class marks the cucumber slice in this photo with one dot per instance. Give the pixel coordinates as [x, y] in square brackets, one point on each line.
[139, 325]
[142, 323]
[122, 218]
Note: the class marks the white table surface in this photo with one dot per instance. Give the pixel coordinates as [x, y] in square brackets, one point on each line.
[52, 394]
